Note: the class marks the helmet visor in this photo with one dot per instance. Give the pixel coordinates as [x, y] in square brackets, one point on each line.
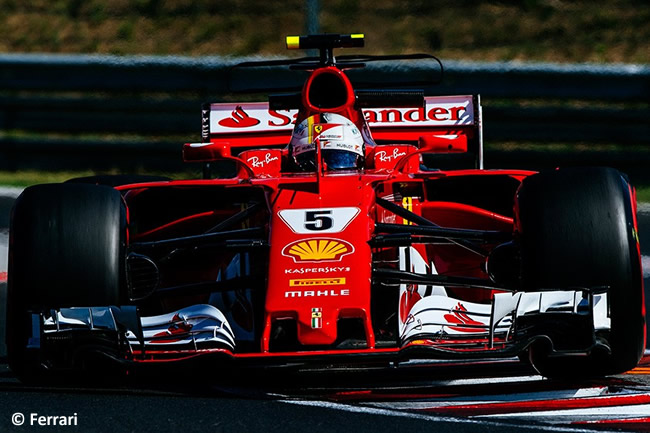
[340, 159]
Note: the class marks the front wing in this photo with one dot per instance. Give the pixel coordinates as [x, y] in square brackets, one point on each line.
[438, 327]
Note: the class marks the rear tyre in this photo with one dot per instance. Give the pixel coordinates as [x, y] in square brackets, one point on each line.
[66, 249]
[578, 229]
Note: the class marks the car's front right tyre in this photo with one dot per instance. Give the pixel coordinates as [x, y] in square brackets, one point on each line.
[66, 249]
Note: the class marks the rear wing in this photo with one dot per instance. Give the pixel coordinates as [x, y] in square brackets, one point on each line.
[254, 125]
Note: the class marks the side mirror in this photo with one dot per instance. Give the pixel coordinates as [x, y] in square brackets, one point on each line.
[443, 143]
[214, 151]
[206, 152]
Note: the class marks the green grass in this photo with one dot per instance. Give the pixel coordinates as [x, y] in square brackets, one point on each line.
[565, 31]
[643, 194]
[33, 177]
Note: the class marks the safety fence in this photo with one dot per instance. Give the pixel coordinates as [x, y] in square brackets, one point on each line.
[86, 111]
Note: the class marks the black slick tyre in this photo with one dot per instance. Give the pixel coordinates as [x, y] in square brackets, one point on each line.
[67, 244]
[577, 228]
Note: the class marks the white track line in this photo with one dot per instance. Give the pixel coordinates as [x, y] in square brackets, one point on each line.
[642, 208]
[490, 380]
[387, 412]
[10, 191]
[4, 242]
[490, 399]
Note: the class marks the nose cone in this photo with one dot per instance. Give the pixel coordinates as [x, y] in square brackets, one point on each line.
[320, 261]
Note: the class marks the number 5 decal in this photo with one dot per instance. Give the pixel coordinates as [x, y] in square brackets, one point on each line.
[318, 220]
[332, 220]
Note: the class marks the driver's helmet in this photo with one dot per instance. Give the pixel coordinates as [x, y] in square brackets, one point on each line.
[341, 142]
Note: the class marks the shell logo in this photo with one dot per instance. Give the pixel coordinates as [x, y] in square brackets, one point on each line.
[318, 250]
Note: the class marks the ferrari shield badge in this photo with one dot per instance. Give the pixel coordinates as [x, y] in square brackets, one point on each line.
[316, 318]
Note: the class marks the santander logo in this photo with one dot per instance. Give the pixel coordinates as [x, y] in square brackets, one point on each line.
[239, 119]
[226, 118]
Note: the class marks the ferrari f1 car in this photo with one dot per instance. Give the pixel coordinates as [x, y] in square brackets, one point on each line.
[358, 227]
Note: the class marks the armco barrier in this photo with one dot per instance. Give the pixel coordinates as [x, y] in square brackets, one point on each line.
[72, 110]
[209, 75]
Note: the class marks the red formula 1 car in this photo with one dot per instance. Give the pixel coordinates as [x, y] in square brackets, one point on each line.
[359, 227]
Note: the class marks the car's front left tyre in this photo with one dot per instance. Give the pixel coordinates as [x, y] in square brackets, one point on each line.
[577, 229]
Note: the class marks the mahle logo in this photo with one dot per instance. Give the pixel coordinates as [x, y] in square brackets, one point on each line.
[317, 250]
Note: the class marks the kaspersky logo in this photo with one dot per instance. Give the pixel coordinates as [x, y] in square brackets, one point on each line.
[318, 250]
[239, 119]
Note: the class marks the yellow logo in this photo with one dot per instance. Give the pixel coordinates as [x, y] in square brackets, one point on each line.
[317, 282]
[318, 129]
[407, 203]
[316, 250]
